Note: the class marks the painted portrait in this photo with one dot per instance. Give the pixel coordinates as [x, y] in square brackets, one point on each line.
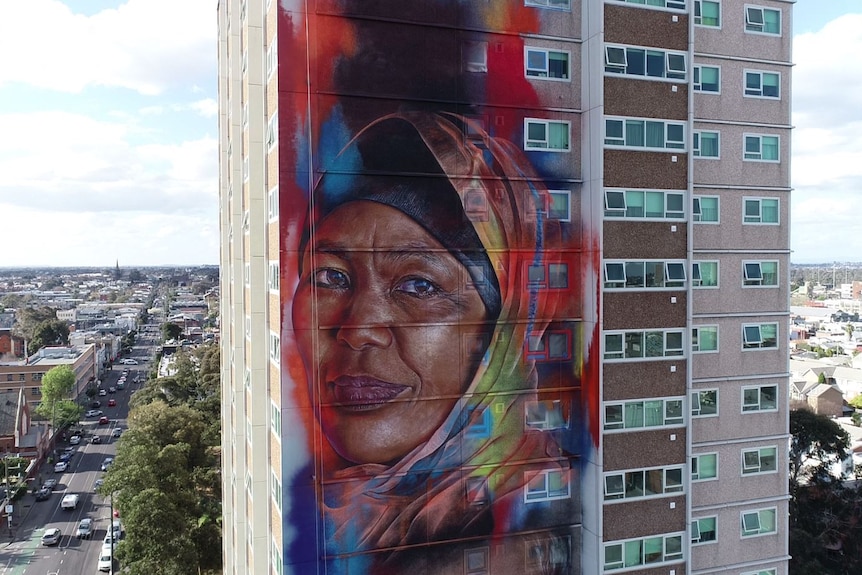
[433, 329]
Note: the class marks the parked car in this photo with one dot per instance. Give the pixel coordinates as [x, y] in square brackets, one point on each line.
[104, 420]
[61, 466]
[66, 456]
[85, 528]
[51, 536]
[43, 494]
[75, 440]
[98, 483]
[105, 559]
[107, 463]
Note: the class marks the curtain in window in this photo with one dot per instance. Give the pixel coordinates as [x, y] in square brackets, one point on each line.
[772, 21]
[634, 133]
[709, 12]
[558, 136]
[709, 79]
[769, 210]
[767, 520]
[653, 413]
[708, 209]
[768, 334]
[655, 134]
[634, 415]
[770, 85]
[706, 467]
[654, 550]
[633, 553]
[634, 204]
[655, 204]
[707, 338]
[708, 274]
[709, 144]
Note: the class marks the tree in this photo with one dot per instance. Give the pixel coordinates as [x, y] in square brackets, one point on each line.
[171, 330]
[856, 402]
[55, 406]
[817, 443]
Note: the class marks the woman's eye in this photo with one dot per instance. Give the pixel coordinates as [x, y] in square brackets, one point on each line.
[332, 279]
[418, 287]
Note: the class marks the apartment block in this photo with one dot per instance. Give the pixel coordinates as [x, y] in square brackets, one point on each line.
[505, 286]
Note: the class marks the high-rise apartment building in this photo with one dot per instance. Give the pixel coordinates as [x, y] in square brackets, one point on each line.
[505, 286]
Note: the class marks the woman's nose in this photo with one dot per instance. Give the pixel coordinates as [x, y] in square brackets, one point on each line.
[365, 323]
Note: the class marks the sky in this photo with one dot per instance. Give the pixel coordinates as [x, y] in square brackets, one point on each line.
[109, 148]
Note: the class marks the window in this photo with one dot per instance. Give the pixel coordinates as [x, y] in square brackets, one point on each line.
[763, 460]
[762, 84]
[547, 485]
[761, 572]
[762, 20]
[704, 274]
[704, 338]
[703, 530]
[271, 58]
[764, 274]
[649, 274]
[761, 148]
[275, 419]
[272, 132]
[705, 144]
[646, 62]
[549, 555]
[559, 207]
[760, 211]
[244, 62]
[759, 522]
[638, 414]
[637, 204]
[643, 483]
[648, 134]
[245, 169]
[705, 209]
[548, 275]
[760, 398]
[561, 4]
[549, 346]
[277, 563]
[707, 79]
[273, 276]
[704, 466]
[707, 13]
[477, 561]
[545, 415]
[276, 490]
[272, 203]
[475, 55]
[674, 4]
[642, 344]
[704, 403]
[548, 64]
[246, 274]
[760, 336]
[274, 347]
[645, 551]
[546, 135]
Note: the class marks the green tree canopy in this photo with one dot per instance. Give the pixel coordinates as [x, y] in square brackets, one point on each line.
[171, 330]
[56, 406]
[817, 443]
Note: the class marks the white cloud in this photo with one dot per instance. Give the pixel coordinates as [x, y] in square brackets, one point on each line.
[207, 108]
[144, 45]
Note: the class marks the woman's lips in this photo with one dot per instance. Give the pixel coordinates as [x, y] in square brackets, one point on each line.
[364, 393]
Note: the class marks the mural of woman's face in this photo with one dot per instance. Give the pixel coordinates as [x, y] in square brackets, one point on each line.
[393, 315]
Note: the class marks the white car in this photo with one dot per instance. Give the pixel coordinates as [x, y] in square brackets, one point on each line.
[85, 528]
[51, 536]
[105, 559]
[107, 463]
[75, 440]
[60, 467]
[128, 361]
[93, 413]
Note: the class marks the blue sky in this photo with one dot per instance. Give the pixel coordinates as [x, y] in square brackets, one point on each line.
[109, 120]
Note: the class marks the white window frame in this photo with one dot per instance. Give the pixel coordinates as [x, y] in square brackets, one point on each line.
[616, 482]
[697, 212]
[696, 403]
[696, 531]
[695, 146]
[274, 347]
[670, 406]
[545, 415]
[758, 339]
[697, 274]
[758, 407]
[747, 533]
[550, 4]
[695, 338]
[245, 169]
[475, 56]
[751, 21]
[546, 52]
[697, 12]
[697, 74]
[670, 144]
[755, 279]
[275, 491]
[760, 74]
[547, 123]
[567, 196]
[669, 4]
[616, 201]
[695, 463]
[674, 555]
[759, 153]
[275, 420]
[758, 219]
[772, 571]
[546, 494]
[478, 552]
[617, 63]
[272, 132]
[272, 203]
[271, 59]
[667, 351]
[747, 470]
[274, 275]
[673, 273]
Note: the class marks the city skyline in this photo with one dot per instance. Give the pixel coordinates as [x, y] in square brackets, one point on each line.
[111, 147]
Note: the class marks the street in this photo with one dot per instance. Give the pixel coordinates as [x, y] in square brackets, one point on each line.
[24, 553]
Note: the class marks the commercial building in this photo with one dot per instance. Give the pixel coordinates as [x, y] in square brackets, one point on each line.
[621, 242]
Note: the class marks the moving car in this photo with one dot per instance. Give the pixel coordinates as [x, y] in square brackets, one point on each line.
[107, 463]
[43, 494]
[85, 528]
[96, 439]
[112, 403]
[129, 361]
[117, 432]
[102, 393]
[65, 457]
[104, 420]
[61, 466]
[51, 536]
[75, 440]
[95, 404]
[98, 484]
[112, 389]
[50, 483]
[93, 413]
